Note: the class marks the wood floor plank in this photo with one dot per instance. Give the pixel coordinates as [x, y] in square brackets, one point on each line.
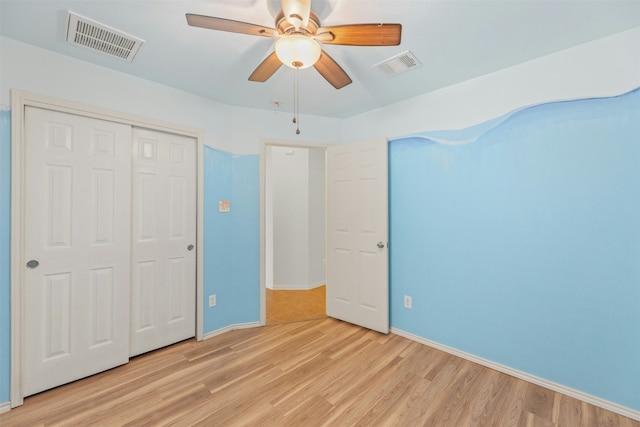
[378, 359]
[539, 401]
[506, 405]
[566, 411]
[320, 372]
[481, 398]
[319, 384]
[463, 386]
[508, 414]
[529, 419]
[261, 394]
[382, 411]
[365, 395]
[412, 410]
[307, 413]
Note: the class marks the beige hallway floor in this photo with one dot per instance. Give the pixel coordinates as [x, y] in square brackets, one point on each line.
[295, 306]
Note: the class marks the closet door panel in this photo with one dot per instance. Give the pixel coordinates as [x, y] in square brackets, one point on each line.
[77, 244]
[164, 230]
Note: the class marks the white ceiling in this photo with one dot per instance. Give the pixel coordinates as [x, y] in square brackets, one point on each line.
[454, 40]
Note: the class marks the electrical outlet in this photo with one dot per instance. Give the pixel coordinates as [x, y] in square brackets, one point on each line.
[407, 302]
[212, 300]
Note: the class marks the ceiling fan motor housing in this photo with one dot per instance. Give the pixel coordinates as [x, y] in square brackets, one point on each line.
[285, 27]
[296, 12]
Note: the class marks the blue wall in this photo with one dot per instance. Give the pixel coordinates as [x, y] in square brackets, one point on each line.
[5, 251]
[523, 247]
[231, 240]
[246, 239]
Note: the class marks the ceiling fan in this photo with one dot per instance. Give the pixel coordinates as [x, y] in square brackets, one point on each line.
[298, 35]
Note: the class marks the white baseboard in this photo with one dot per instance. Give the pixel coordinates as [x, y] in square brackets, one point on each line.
[577, 394]
[297, 287]
[230, 328]
[5, 407]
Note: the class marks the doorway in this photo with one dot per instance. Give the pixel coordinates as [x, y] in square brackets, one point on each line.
[356, 239]
[294, 212]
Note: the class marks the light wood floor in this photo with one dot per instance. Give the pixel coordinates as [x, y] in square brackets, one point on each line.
[295, 306]
[321, 372]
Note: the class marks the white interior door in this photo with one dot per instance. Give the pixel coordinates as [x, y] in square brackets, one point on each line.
[163, 298]
[77, 240]
[357, 234]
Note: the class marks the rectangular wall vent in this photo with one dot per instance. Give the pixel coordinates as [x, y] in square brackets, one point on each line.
[93, 35]
[398, 64]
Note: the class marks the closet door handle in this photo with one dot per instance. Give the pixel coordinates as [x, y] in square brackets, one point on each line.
[33, 263]
[190, 247]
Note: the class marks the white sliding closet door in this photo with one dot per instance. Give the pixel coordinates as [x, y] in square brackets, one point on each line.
[163, 298]
[77, 246]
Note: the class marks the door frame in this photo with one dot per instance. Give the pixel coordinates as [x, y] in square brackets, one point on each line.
[265, 143]
[22, 99]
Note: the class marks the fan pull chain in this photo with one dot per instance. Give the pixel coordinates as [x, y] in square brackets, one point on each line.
[295, 120]
[296, 100]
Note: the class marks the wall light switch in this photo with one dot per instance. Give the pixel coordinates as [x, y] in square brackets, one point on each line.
[212, 300]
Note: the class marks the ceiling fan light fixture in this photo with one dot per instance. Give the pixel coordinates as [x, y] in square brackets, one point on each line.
[298, 51]
[296, 12]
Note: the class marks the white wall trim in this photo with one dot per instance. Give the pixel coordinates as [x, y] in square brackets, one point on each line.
[20, 100]
[231, 328]
[5, 407]
[577, 394]
[17, 256]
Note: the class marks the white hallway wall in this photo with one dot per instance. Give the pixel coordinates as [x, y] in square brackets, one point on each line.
[290, 197]
[295, 217]
[316, 217]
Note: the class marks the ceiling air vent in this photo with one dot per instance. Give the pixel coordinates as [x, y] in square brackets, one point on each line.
[85, 32]
[398, 64]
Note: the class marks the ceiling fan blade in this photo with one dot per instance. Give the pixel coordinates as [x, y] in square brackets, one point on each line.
[231, 26]
[331, 71]
[266, 68]
[361, 34]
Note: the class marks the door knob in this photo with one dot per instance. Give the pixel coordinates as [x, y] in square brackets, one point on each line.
[380, 245]
[33, 263]
[190, 247]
